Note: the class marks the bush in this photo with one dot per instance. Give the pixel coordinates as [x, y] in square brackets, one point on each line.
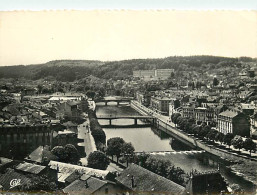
[67, 154]
[249, 145]
[98, 160]
[237, 142]
[161, 167]
[228, 138]
[96, 130]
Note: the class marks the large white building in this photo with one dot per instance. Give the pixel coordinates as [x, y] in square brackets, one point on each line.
[156, 74]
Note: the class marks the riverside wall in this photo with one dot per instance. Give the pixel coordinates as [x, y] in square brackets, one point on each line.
[190, 140]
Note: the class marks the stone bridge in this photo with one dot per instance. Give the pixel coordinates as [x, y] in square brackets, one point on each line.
[135, 117]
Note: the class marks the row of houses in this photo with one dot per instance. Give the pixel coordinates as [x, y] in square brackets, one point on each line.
[239, 120]
[74, 179]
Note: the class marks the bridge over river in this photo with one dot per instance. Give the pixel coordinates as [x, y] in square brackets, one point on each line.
[117, 99]
[135, 117]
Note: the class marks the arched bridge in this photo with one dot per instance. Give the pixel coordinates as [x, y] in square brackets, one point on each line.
[135, 117]
[114, 99]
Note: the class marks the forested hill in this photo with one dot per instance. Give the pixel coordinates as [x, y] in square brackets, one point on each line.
[70, 70]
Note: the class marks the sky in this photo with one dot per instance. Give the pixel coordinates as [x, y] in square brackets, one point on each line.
[127, 4]
[31, 37]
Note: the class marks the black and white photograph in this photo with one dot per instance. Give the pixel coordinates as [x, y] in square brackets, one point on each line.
[128, 101]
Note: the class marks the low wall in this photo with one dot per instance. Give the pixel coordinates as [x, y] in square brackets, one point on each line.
[189, 140]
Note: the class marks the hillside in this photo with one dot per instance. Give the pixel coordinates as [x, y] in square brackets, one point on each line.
[70, 70]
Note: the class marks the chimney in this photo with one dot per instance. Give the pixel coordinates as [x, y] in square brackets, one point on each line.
[133, 182]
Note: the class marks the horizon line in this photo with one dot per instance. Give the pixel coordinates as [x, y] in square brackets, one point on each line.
[105, 61]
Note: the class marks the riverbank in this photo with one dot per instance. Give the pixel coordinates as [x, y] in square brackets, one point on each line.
[164, 124]
[239, 160]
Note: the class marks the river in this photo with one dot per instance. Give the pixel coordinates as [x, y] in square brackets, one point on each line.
[149, 139]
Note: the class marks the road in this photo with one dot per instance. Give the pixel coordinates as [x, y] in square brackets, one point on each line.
[165, 119]
[89, 143]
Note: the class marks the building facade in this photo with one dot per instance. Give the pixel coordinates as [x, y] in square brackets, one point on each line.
[19, 140]
[188, 111]
[160, 104]
[234, 122]
[156, 74]
[173, 105]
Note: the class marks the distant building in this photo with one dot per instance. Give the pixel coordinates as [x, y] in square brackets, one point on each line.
[144, 98]
[188, 111]
[65, 137]
[243, 75]
[161, 104]
[201, 114]
[29, 91]
[253, 120]
[209, 112]
[234, 122]
[245, 94]
[138, 180]
[173, 105]
[64, 97]
[156, 74]
[70, 109]
[247, 109]
[19, 140]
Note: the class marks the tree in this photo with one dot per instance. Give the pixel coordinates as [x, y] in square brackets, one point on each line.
[187, 126]
[97, 160]
[90, 94]
[128, 151]
[219, 137]
[114, 147]
[237, 142]
[40, 87]
[180, 121]
[72, 154]
[141, 159]
[39, 183]
[176, 174]
[59, 151]
[249, 145]
[68, 153]
[211, 135]
[203, 131]
[196, 130]
[165, 168]
[158, 166]
[215, 81]
[228, 138]
[174, 117]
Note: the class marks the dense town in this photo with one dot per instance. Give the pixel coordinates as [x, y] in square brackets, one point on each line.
[52, 142]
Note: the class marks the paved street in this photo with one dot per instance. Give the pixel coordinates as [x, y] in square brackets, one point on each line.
[89, 143]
